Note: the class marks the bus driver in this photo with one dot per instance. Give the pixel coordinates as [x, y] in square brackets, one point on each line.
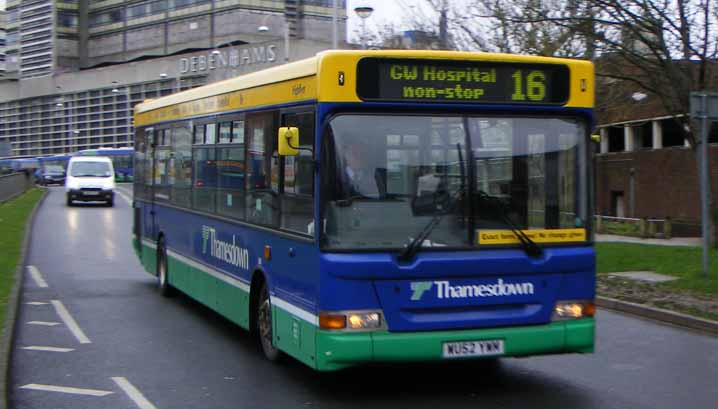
[358, 173]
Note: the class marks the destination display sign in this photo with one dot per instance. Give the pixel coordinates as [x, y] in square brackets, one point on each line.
[461, 81]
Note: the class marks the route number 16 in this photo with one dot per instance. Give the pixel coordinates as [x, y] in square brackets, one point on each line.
[530, 86]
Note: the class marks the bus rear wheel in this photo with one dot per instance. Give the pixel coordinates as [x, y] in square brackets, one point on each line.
[163, 284]
[265, 330]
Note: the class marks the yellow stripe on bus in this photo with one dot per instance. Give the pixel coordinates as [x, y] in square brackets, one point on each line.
[284, 92]
[488, 237]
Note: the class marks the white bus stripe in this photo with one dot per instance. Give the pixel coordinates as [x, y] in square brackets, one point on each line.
[37, 277]
[220, 275]
[49, 349]
[65, 389]
[133, 393]
[149, 244]
[294, 310]
[214, 273]
[44, 323]
[70, 322]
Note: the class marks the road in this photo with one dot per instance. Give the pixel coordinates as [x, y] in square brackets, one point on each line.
[121, 345]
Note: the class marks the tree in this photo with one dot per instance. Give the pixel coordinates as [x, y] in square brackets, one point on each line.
[663, 48]
[666, 48]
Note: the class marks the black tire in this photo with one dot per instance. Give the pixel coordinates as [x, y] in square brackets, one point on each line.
[69, 201]
[111, 202]
[163, 283]
[265, 331]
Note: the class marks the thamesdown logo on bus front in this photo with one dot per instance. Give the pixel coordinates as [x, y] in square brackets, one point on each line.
[445, 290]
[228, 252]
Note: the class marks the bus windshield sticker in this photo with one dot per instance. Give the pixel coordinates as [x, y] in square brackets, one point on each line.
[539, 236]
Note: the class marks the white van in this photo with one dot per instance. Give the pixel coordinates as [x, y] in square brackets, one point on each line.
[90, 179]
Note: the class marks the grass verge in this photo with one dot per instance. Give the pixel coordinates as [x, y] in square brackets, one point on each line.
[13, 218]
[691, 293]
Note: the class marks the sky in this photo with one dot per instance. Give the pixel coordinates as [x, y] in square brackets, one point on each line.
[386, 12]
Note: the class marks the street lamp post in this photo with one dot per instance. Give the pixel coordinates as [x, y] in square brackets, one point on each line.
[335, 35]
[363, 13]
[264, 29]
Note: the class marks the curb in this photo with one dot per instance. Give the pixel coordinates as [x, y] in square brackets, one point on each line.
[7, 337]
[659, 314]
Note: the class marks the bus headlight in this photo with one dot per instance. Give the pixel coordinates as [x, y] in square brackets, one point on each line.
[566, 310]
[351, 320]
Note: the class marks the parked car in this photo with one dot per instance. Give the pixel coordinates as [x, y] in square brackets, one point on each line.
[51, 174]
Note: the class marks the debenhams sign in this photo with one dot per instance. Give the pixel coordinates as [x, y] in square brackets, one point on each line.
[232, 58]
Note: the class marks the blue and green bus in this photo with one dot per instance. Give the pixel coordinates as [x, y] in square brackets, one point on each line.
[121, 160]
[378, 206]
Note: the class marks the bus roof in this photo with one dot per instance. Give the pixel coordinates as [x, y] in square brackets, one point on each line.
[297, 81]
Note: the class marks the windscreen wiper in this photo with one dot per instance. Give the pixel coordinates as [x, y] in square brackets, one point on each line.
[530, 247]
[411, 249]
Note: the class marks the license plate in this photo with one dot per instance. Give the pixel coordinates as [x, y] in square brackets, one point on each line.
[491, 347]
[90, 193]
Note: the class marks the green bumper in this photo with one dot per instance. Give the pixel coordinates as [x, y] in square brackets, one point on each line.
[340, 350]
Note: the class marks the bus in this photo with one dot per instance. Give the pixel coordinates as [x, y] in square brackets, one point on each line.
[467, 237]
[121, 160]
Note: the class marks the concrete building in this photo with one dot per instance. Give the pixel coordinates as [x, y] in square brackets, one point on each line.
[76, 68]
[2, 44]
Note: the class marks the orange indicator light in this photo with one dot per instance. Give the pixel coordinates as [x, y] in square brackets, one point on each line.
[332, 321]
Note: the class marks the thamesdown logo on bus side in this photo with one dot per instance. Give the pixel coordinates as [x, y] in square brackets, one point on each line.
[444, 289]
[228, 252]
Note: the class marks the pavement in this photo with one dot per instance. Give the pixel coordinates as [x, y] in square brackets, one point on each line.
[658, 314]
[675, 241]
[93, 332]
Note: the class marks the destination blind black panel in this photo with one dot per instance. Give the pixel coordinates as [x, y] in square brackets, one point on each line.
[380, 79]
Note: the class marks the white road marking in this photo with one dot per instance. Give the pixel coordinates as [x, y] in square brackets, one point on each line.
[65, 389]
[49, 349]
[37, 277]
[45, 323]
[70, 322]
[133, 393]
[127, 199]
[37, 303]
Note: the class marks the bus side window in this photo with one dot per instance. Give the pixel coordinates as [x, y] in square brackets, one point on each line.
[231, 174]
[204, 168]
[182, 165]
[163, 173]
[297, 200]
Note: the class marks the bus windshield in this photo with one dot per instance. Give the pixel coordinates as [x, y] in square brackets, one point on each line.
[123, 161]
[388, 177]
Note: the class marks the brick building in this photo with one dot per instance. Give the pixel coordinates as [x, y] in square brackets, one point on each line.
[644, 168]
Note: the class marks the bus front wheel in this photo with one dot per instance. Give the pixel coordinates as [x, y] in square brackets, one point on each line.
[264, 325]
